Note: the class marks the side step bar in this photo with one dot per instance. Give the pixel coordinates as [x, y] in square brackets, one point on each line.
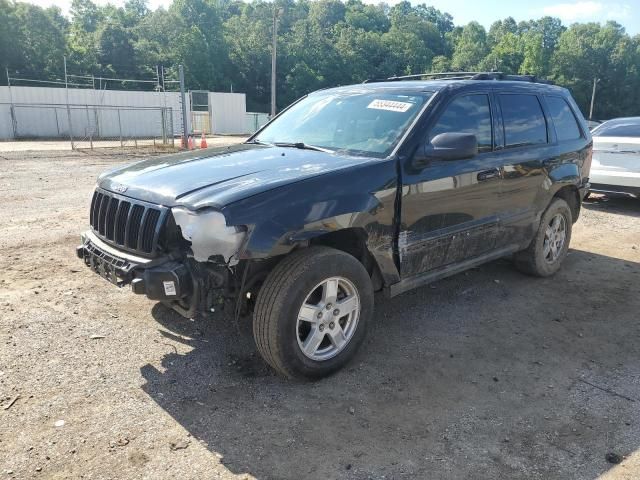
[446, 271]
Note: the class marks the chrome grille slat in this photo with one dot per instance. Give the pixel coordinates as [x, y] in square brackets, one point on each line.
[148, 230]
[102, 213]
[134, 226]
[96, 211]
[93, 207]
[127, 223]
[143, 219]
[121, 222]
[110, 219]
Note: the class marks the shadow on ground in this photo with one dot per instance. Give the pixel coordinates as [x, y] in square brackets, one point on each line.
[488, 374]
[622, 204]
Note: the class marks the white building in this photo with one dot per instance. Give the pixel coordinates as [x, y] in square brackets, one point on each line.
[43, 112]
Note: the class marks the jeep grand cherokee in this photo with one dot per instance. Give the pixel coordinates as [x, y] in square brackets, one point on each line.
[381, 186]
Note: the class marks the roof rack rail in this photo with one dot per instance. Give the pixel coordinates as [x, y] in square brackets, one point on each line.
[448, 75]
[464, 76]
[426, 76]
[510, 77]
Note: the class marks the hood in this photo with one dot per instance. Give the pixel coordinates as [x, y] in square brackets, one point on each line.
[217, 177]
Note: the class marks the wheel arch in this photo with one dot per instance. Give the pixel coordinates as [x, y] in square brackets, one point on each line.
[571, 195]
[354, 241]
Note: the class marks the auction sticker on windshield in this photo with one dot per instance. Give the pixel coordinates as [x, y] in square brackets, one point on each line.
[391, 105]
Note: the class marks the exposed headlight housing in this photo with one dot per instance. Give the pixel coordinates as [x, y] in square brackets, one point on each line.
[209, 234]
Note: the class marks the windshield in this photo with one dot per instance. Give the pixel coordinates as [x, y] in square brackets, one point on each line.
[360, 123]
[622, 127]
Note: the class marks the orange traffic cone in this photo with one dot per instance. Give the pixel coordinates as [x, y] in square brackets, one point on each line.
[191, 142]
[203, 141]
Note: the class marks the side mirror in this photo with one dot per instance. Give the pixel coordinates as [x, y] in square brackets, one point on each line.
[447, 146]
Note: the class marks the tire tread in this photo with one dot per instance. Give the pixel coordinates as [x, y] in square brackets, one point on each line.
[271, 298]
[526, 260]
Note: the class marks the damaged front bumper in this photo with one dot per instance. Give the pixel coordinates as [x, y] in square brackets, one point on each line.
[163, 278]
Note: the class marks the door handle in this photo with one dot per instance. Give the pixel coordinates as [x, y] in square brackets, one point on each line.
[487, 174]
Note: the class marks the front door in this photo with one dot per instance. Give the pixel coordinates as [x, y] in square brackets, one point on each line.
[448, 208]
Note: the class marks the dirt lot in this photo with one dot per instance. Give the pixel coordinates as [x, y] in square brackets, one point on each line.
[489, 374]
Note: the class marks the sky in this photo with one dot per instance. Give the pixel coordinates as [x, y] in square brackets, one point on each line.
[625, 12]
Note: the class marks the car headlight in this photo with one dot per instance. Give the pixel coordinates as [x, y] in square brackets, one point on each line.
[209, 234]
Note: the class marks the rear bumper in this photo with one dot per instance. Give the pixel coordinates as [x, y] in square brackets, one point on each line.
[618, 179]
[161, 279]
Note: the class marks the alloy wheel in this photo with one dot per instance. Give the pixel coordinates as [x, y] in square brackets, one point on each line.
[554, 237]
[328, 318]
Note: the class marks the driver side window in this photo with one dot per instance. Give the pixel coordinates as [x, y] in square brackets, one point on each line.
[467, 114]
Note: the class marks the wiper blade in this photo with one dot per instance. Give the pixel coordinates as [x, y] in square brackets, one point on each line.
[259, 142]
[302, 146]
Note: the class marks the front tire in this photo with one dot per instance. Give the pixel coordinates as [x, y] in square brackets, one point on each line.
[550, 245]
[312, 312]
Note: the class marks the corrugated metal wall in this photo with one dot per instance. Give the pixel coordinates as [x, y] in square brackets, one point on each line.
[228, 112]
[43, 113]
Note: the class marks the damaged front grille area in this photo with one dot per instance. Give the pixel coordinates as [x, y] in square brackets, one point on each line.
[114, 269]
[129, 224]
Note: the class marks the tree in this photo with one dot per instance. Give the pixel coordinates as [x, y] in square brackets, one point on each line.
[200, 44]
[470, 47]
[588, 51]
[9, 55]
[370, 18]
[441, 64]
[248, 37]
[226, 44]
[36, 41]
[115, 48]
[500, 28]
[534, 60]
[505, 56]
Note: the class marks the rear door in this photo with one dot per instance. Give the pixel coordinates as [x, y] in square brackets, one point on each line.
[448, 207]
[525, 147]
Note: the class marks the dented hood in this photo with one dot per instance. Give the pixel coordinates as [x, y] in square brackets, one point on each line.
[217, 177]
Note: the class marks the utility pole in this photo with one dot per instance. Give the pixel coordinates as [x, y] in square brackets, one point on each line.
[276, 12]
[14, 122]
[66, 91]
[593, 97]
[184, 107]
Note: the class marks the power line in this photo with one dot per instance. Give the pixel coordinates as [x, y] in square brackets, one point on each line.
[47, 81]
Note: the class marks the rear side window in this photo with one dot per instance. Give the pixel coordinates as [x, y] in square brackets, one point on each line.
[563, 119]
[524, 122]
[467, 114]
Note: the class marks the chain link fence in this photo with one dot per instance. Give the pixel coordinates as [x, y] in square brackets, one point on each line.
[96, 126]
[90, 116]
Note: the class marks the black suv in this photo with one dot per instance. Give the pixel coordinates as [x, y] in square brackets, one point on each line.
[382, 186]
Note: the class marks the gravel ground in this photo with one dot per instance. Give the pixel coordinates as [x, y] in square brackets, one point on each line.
[27, 146]
[488, 374]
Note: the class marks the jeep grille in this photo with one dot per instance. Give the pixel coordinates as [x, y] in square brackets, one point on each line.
[127, 223]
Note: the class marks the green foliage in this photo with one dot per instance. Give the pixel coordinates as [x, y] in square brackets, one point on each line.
[226, 44]
[32, 39]
[587, 51]
[470, 47]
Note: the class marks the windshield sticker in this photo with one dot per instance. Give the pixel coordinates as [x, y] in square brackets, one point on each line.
[390, 105]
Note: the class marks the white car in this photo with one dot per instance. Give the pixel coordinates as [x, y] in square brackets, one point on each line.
[593, 124]
[615, 167]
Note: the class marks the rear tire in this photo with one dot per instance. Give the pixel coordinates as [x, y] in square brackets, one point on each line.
[312, 312]
[550, 245]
